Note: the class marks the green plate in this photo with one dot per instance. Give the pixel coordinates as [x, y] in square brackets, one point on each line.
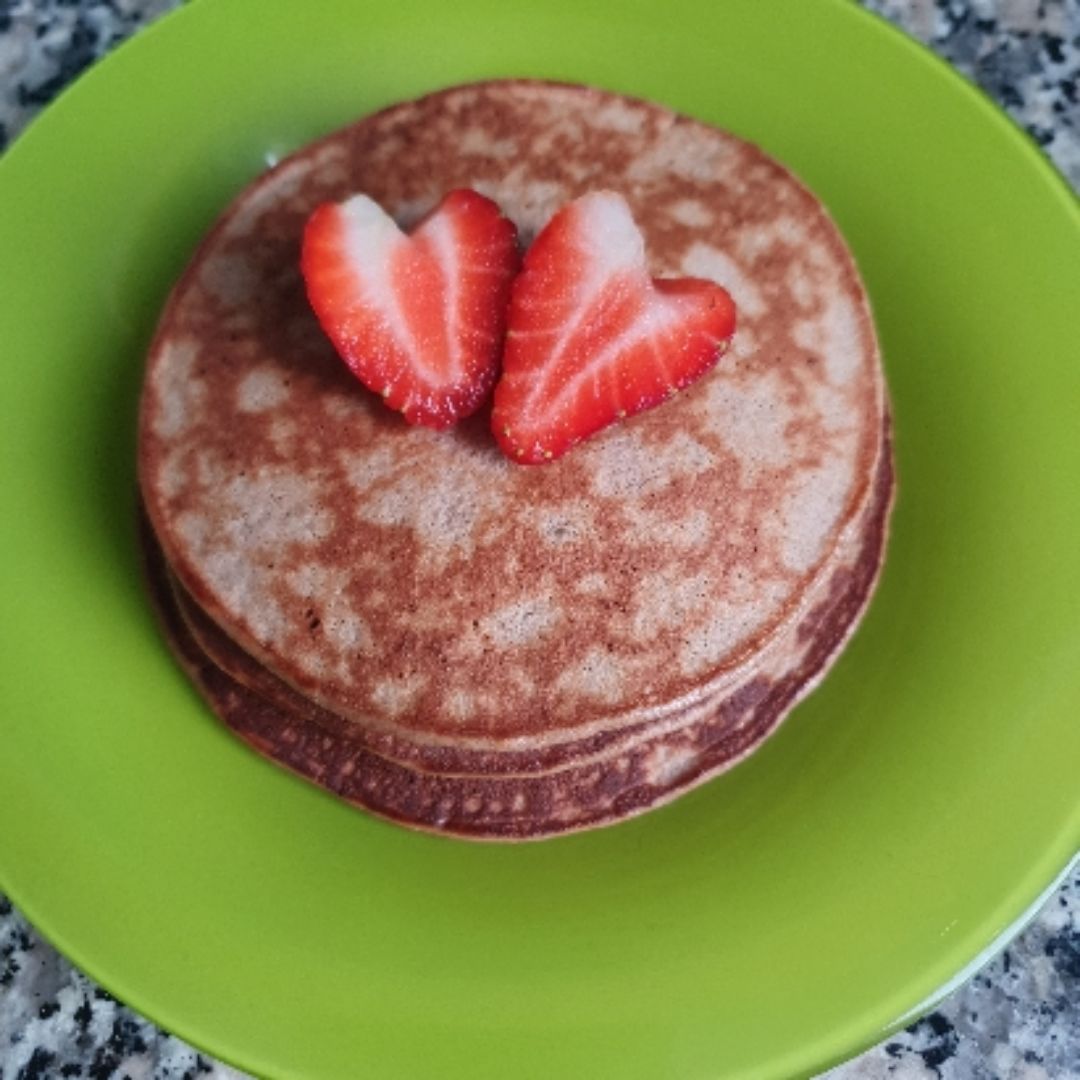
[779, 919]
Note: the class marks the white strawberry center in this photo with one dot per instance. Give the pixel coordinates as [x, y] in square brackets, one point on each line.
[391, 269]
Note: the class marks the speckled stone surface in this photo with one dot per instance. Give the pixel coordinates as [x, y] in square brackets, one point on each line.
[1018, 1019]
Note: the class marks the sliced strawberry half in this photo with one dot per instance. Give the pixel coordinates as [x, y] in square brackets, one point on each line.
[419, 319]
[592, 338]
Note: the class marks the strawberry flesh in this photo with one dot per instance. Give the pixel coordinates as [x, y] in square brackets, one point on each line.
[420, 319]
[592, 338]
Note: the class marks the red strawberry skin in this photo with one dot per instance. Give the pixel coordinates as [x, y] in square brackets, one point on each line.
[592, 338]
[419, 319]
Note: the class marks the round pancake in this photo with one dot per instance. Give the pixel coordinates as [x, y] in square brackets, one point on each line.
[419, 584]
[602, 790]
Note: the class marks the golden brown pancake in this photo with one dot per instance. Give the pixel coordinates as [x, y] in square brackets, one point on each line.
[432, 608]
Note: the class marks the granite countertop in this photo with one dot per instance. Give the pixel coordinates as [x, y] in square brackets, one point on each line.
[1018, 1019]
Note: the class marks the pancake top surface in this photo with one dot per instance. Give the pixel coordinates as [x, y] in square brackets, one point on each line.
[418, 579]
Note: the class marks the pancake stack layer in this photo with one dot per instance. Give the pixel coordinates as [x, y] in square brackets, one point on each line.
[478, 648]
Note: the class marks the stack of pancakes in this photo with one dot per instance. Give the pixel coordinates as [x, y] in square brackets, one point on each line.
[467, 645]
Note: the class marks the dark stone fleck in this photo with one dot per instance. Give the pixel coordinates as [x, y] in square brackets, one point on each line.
[956, 17]
[50, 1008]
[71, 1070]
[84, 1014]
[1032, 1058]
[1068, 88]
[102, 994]
[1055, 47]
[894, 1049]
[201, 1066]
[36, 1068]
[126, 1037]
[941, 1038]
[5, 903]
[937, 1055]
[1008, 95]
[9, 970]
[939, 1024]
[5, 20]
[43, 93]
[103, 1066]
[1064, 950]
[1044, 136]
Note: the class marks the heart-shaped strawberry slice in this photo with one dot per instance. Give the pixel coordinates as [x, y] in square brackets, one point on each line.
[592, 338]
[419, 319]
